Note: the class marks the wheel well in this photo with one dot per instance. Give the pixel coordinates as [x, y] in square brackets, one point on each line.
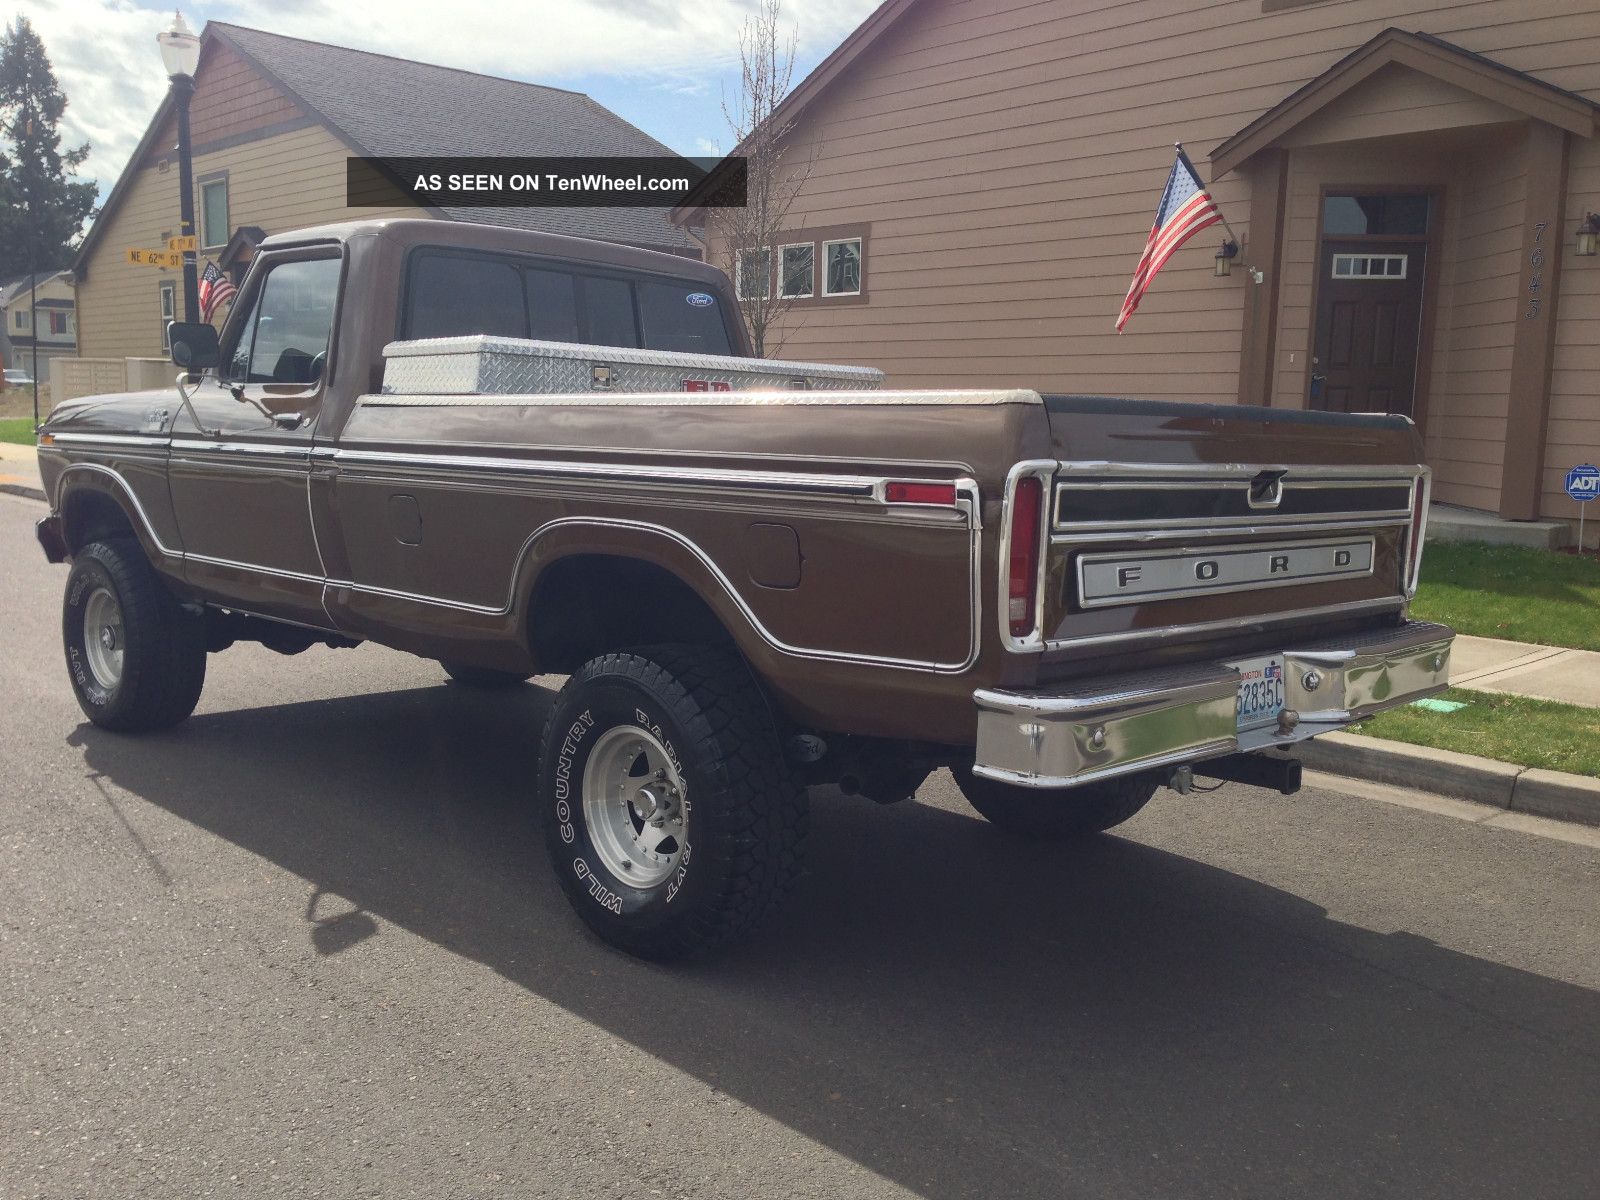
[91, 516]
[589, 604]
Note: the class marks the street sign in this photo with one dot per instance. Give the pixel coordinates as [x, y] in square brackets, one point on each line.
[1583, 483]
[155, 258]
[180, 244]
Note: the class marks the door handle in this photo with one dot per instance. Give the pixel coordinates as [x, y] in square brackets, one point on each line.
[288, 420]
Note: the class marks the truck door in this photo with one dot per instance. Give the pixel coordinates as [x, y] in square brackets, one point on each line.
[239, 480]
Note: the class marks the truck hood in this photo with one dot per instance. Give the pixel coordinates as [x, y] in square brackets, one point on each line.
[116, 412]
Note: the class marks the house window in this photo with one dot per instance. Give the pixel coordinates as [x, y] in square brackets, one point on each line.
[22, 318]
[753, 274]
[58, 322]
[1369, 266]
[169, 311]
[214, 227]
[797, 270]
[841, 267]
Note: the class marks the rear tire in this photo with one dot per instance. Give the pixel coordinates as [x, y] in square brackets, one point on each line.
[136, 658]
[1057, 814]
[672, 822]
[482, 677]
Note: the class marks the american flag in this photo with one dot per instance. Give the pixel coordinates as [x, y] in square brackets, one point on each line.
[216, 289]
[1186, 208]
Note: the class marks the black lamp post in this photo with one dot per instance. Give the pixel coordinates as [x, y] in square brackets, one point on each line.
[180, 52]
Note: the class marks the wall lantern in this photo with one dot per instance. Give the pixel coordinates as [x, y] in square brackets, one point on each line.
[1588, 235]
[1226, 253]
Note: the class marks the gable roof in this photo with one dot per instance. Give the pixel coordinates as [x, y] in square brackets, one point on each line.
[381, 106]
[878, 22]
[12, 288]
[1428, 55]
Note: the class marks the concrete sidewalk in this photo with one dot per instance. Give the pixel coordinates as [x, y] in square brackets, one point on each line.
[1521, 669]
[19, 471]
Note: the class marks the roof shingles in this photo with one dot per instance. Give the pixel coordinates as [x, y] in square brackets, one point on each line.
[393, 107]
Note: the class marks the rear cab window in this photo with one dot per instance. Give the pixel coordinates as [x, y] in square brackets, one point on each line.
[455, 293]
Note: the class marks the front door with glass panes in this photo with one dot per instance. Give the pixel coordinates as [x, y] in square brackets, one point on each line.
[247, 461]
[1369, 303]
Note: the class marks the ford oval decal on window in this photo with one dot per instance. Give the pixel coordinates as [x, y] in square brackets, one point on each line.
[699, 300]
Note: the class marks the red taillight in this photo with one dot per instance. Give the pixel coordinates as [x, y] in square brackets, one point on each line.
[1023, 584]
[920, 493]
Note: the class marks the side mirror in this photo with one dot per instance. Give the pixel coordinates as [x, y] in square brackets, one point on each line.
[194, 346]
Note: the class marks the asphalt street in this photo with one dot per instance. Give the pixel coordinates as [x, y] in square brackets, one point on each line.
[307, 945]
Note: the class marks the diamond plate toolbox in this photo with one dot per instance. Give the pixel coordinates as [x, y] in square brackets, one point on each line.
[478, 365]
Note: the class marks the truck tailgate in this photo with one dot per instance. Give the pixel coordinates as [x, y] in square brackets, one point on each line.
[1200, 525]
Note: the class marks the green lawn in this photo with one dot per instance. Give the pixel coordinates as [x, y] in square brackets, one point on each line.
[18, 430]
[1513, 729]
[1511, 592]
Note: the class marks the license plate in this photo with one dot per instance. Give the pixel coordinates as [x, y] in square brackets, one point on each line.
[1260, 690]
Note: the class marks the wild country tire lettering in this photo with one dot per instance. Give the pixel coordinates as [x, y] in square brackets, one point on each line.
[569, 747]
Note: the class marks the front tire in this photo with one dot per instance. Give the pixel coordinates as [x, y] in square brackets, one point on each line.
[670, 817]
[136, 659]
[1057, 814]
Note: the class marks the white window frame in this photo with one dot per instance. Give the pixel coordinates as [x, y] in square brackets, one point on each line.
[22, 320]
[783, 274]
[201, 185]
[167, 288]
[1368, 259]
[738, 274]
[861, 264]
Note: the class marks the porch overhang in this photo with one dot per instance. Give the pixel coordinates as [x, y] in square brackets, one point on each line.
[1520, 93]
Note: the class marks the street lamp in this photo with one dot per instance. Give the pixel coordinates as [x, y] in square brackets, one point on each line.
[180, 53]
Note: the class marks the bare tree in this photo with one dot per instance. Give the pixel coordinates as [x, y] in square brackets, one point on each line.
[749, 236]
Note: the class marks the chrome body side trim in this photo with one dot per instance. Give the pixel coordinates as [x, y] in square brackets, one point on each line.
[746, 398]
[1099, 729]
[854, 486]
[67, 437]
[967, 502]
[133, 499]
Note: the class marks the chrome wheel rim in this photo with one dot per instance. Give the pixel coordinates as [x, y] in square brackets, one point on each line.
[633, 804]
[103, 637]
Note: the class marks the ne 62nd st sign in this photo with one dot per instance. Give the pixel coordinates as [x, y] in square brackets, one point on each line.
[1583, 483]
[155, 258]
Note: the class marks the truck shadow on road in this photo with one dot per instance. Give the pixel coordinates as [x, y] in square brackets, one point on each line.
[962, 1015]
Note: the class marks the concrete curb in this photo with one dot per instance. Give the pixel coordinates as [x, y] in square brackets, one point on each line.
[19, 489]
[1554, 794]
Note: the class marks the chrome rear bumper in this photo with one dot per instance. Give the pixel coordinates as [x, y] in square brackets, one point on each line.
[1060, 737]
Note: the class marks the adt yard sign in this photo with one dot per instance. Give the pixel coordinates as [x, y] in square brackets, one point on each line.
[1583, 483]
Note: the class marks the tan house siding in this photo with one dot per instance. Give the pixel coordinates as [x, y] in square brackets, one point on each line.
[1573, 435]
[278, 183]
[1008, 156]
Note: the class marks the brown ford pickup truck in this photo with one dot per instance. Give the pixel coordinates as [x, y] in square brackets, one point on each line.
[755, 580]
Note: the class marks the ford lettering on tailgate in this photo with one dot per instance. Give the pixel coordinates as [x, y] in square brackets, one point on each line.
[1130, 576]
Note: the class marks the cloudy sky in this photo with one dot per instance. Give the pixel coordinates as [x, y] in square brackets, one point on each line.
[662, 64]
